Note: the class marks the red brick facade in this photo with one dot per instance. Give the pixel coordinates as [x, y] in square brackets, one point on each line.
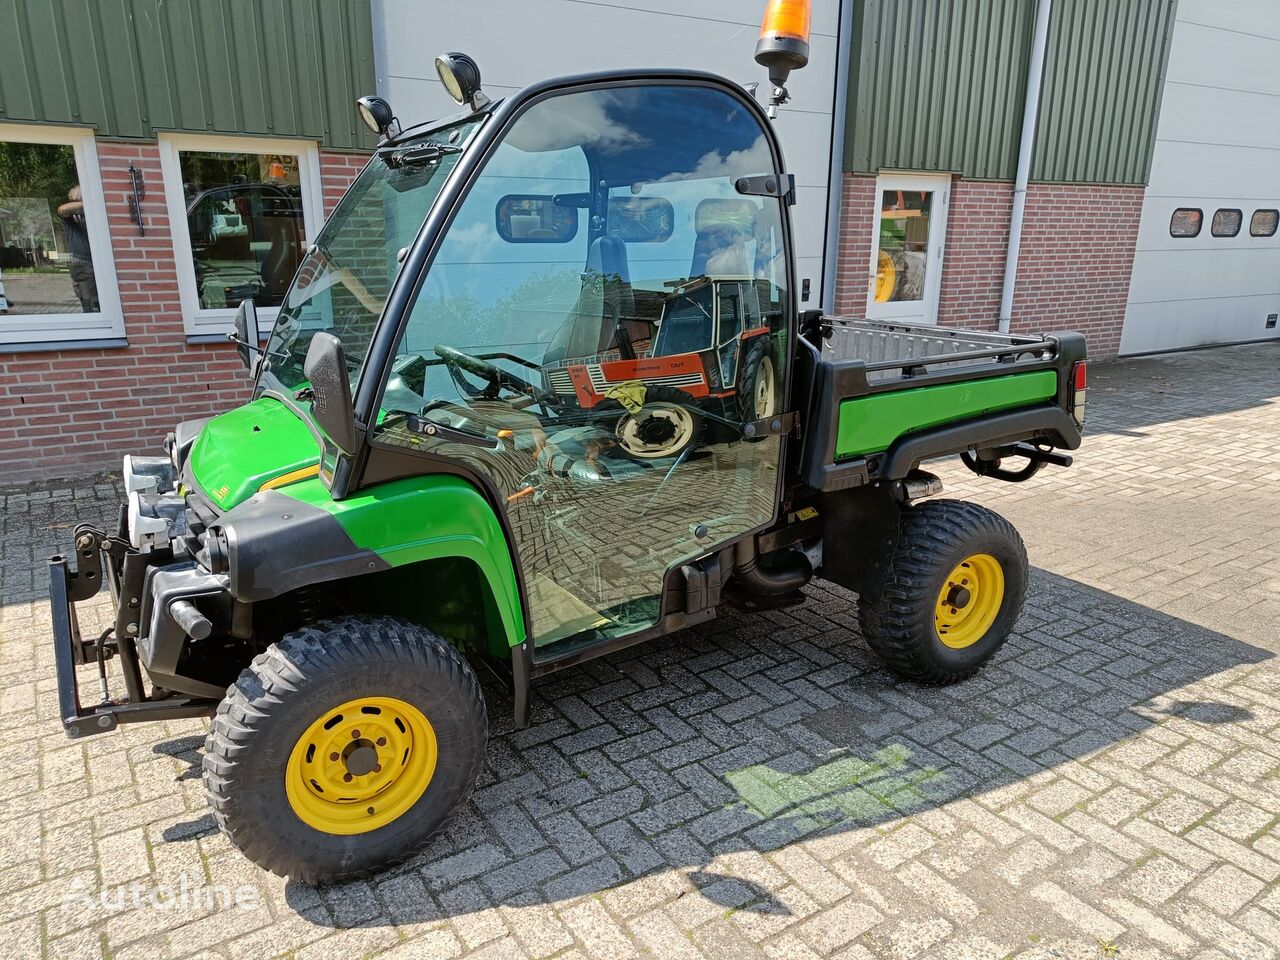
[65, 412]
[1077, 254]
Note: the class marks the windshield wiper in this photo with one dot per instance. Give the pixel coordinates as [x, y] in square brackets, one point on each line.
[417, 154]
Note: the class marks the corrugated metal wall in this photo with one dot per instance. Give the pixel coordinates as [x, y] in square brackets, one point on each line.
[939, 85]
[275, 68]
[1101, 93]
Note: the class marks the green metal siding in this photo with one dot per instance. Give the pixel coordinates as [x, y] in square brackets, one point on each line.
[940, 85]
[272, 68]
[1101, 92]
[937, 85]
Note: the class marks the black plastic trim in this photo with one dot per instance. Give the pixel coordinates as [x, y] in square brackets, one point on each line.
[276, 544]
[1049, 423]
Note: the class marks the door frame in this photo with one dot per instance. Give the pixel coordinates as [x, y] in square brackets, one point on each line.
[924, 310]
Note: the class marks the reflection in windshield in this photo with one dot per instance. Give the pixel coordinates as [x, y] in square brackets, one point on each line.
[600, 331]
[346, 277]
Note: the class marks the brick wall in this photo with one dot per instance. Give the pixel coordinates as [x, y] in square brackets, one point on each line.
[1074, 268]
[67, 412]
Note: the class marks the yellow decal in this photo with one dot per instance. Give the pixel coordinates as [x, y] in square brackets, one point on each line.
[292, 477]
[221, 492]
[806, 513]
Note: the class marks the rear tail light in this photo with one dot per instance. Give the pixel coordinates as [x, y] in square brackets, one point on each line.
[1080, 383]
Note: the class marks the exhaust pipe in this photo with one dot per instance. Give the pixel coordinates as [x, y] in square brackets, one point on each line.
[791, 571]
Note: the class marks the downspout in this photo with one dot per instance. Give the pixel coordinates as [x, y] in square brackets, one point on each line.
[835, 178]
[1035, 75]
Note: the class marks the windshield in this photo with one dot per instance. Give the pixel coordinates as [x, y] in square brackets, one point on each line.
[582, 241]
[347, 274]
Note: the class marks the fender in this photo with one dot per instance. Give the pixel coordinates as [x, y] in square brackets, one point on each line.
[294, 536]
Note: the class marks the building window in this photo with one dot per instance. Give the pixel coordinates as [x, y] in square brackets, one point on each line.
[249, 208]
[57, 280]
[1186, 222]
[1226, 223]
[1263, 223]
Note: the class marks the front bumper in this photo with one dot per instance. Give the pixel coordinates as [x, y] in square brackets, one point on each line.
[66, 588]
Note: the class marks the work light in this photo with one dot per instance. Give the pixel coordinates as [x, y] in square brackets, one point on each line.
[461, 78]
[376, 114]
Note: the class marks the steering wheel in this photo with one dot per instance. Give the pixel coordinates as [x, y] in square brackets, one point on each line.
[495, 375]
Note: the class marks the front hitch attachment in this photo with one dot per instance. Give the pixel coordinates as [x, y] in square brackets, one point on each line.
[1036, 458]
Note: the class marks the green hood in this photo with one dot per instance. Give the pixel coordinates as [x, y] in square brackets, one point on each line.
[239, 451]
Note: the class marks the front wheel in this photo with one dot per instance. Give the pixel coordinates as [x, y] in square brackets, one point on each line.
[953, 593]
[344, 748]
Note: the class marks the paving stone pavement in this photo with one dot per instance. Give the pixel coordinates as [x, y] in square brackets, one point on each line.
[759, 788]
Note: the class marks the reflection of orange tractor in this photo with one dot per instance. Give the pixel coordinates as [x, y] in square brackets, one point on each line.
[711, 345]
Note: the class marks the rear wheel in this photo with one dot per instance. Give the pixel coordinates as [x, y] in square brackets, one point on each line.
[666, 425]
[758, 382]
[343, 748]
[953, 593]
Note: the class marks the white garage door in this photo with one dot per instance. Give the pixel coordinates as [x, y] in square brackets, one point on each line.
[518, 42]
[1217, 149]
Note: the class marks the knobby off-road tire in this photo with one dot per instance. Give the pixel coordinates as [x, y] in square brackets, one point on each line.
[284, 699]
[758, 363]
[941, 540]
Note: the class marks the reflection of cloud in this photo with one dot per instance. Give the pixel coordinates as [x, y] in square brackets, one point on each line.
[579, 120]
[750, 161]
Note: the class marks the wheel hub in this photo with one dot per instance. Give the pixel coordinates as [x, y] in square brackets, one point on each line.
[361, 757]
[969, 601]
[654, 430]
[361, 765]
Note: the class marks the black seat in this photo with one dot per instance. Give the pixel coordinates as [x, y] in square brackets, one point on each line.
[606, 300]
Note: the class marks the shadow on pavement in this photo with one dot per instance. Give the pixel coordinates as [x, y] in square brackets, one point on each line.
[1126, 396]
[758, 731]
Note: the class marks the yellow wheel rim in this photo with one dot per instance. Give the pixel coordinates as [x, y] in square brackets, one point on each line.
[361, 765]
[886, 277]
[969, 601]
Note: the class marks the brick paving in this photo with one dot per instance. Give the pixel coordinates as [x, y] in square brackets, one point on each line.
[759, 788]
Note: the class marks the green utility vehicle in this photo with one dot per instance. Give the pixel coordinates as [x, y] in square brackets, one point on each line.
[414, 494]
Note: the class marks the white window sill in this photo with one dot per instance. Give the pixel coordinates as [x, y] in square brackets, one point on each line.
[48, 346]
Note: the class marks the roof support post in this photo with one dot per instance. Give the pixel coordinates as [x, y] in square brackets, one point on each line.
[1030, 110]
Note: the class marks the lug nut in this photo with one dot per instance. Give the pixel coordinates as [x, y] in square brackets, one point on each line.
[346, 778]
[382, 741]
[333, 756]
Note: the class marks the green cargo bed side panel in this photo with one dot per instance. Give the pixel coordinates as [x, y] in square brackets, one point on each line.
[239, 451]
[871, 424]
[427, 518]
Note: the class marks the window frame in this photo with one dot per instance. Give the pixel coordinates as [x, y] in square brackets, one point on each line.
[1186, 236]
[1239, 223]
[26, 330]
[1253, 216]
[215, 322]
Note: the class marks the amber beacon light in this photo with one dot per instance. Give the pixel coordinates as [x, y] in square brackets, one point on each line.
[783, 45]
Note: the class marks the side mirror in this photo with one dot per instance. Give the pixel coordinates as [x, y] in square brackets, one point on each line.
[245, 336]
[326, 369]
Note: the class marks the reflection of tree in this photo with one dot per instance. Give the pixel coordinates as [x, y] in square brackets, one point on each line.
[462, 320]
[34, 179]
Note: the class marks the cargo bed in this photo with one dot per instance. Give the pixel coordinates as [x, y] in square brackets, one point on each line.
[888, 348]
[885, 396]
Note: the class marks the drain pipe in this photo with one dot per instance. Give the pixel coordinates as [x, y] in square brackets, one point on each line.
[835, 177]
[1035, 74]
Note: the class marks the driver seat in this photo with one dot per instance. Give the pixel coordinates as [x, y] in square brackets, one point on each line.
[606, 297]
